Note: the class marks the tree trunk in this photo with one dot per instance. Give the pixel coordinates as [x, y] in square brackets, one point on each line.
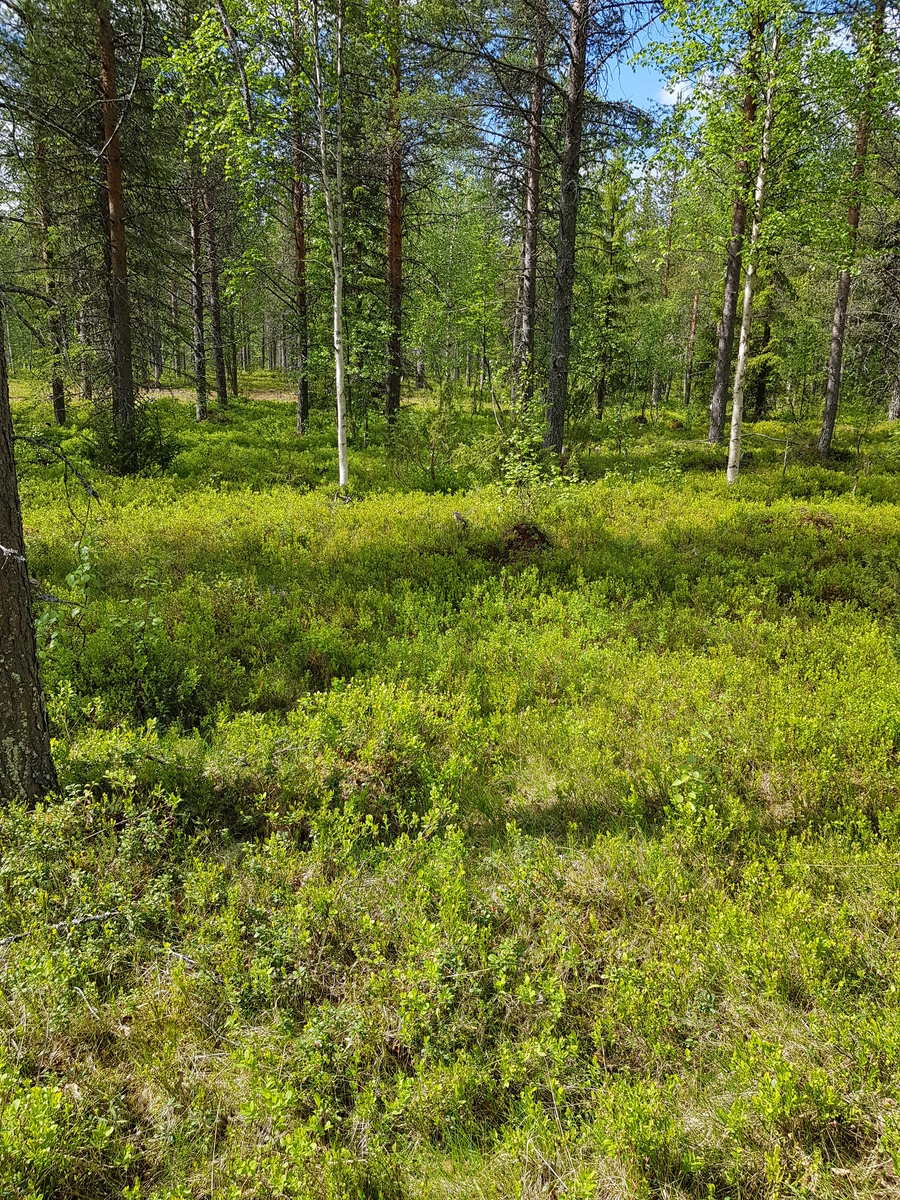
[333, 189]
[26, 764]
[894, 405]
[719, 397]
[740, 374]
[232, 353]
[198, 340]
[215, 304]
[120, 303]
[842, 298]
[761, 397]
[176, 334]
[54, 318]
[9, 345]
[81, 328]
[560, 337]
[689, 362]
[655, 393]
[299, 224]
[525, 366]
[157, 353]
[394, 223]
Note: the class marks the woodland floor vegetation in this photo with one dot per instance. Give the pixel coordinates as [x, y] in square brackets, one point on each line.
[455, 838]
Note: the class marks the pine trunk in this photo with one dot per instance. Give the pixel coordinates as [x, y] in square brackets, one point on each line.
[54, 319]
[120, 303]
[215, 303]
[525, 347]
[232, 353]
[842, 297]
[689, 362]
[394, 225]
[560, 337]
[26, 764]
[299, 222]
[198, 339]
[761, 397]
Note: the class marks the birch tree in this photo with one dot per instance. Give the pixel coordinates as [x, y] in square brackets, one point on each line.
[740, 374]
[332, 188]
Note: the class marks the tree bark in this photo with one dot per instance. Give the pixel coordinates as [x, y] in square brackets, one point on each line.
[842, 297]
[894, 403]
[655, 393]
[394, 223]
[120, 302]
[198, 343]
[719, 398]
[761, 397]
[232, 353]
[299, 223]
[525, 366]
[333, 189]
[157, 354]
[81, 328]
[561, 332]
[54, 318]
[215, 303]
[740, 374]
[689, 362]
[26, 764]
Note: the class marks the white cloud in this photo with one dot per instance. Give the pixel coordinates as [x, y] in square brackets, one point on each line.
[674, 94]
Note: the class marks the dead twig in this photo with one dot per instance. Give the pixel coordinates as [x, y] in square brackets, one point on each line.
[90, 491]
[90, 918]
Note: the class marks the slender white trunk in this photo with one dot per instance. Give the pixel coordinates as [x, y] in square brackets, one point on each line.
[333, 189]
[740, 374]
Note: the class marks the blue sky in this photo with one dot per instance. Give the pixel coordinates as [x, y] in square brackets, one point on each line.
[639, 83]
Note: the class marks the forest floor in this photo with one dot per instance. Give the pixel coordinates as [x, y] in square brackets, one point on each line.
[550, 851]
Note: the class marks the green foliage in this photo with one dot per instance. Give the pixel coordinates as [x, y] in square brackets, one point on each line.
[149, 444]
[400, 855]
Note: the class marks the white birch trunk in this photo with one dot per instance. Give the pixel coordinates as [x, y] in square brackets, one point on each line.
[333, 189]
[740, 374]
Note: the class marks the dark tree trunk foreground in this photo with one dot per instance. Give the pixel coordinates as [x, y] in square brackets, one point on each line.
[26, 766]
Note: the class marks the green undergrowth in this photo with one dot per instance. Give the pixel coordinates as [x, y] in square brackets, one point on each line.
[550, 851]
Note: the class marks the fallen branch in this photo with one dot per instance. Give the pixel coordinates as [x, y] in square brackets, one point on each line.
[89, 489]
[67, 925]
[50, 448]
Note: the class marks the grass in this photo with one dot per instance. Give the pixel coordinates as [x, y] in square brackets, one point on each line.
[400, 857]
